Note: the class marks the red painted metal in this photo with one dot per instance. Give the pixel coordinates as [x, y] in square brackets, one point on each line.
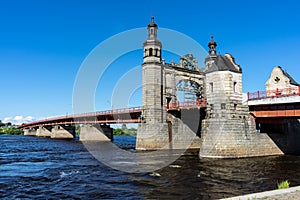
[276, 110]
[200, 103]
[292, 91]
[124, 115]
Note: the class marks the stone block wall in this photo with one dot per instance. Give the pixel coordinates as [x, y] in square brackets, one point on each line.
[172, 135]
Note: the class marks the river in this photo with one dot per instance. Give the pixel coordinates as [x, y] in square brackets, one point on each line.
[44, 168]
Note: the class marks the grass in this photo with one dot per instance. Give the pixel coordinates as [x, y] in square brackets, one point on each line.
[283, 184]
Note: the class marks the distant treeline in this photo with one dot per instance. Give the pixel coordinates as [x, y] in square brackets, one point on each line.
[120, 131]
[124, 130]
[9, 129]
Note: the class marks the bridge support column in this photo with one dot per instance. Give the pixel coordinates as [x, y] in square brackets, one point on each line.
[44, 131]
[96, 133]
[30, 132]
[63, 132]
[172, 135]
[152, 136]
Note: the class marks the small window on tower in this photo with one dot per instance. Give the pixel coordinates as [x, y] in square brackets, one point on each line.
[211, 87]
[234, 106]
[223, 106]
[234, 86]
[150, 52]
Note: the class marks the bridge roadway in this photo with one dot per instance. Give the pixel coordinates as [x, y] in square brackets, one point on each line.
[116, 116]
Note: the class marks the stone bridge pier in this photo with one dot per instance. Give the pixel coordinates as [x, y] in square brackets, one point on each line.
[96, 132]
[63, 132]
[44, 131]
[29, 132]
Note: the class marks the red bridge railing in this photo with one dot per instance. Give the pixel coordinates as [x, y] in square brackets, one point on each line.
[186, 104]
[286, 92]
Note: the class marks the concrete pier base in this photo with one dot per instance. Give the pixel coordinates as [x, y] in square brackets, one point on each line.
[63, 132]
[44, 131]
[96, 133]
[30, 132]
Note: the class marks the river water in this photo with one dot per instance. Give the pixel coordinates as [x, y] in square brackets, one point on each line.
[44, 168]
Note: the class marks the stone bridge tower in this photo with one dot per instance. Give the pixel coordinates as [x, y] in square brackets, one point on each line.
[153, 131]
[228, 131]
[160, 83]
[152, 86]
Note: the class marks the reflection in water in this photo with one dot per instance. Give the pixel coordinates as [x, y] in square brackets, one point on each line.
[45, 168]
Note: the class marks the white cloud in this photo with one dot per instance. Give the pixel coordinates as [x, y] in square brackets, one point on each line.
[18, 119]
[6, 119]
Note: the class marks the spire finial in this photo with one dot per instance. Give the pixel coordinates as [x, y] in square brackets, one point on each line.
[212, 46]
[152, 23]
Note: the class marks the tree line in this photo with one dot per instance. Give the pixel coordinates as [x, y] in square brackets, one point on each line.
[9, 129]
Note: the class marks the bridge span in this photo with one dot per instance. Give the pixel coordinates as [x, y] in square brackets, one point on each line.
[103, 119]
[116, 116]
[277, 113]
[284, 103]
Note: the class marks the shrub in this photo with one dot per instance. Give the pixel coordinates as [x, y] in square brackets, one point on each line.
[283, 184]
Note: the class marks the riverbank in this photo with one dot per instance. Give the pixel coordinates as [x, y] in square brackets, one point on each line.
[292, 193]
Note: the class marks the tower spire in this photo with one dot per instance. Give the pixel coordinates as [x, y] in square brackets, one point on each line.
[212, 47]
[152, 46]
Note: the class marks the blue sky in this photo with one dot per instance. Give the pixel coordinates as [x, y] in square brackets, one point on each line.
[43, 44]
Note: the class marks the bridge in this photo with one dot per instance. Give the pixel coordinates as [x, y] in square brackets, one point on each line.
[210, 116]
[117, 116]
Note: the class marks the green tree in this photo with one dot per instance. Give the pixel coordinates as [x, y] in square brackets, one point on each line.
[118, 131]
[2, 124]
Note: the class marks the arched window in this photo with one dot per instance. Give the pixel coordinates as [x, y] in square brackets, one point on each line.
[235, 87]
[150, 52]
[211, 85]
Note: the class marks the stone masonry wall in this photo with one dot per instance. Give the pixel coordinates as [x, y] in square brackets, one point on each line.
[172, 135]
[223, 139]
[228, 130]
